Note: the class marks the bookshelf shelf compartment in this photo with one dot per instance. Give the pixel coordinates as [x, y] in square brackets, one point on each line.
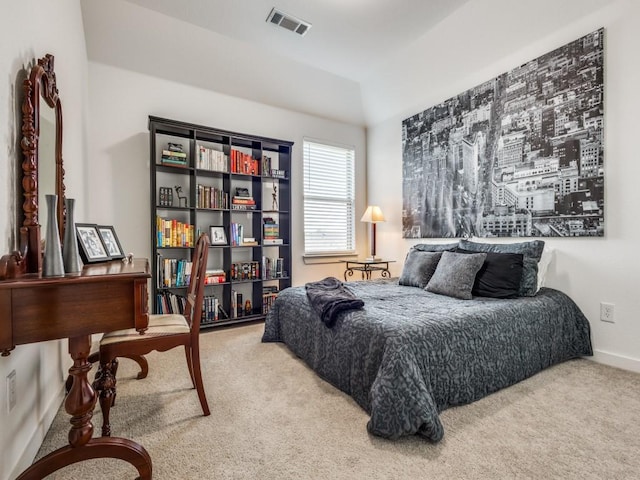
[225, 169]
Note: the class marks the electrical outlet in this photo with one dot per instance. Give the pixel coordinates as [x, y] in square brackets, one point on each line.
[606, 312]
[11, 390]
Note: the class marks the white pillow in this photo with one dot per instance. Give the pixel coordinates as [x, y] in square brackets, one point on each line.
[543, 265]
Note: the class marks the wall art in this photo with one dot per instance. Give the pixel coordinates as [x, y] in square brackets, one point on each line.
[520, 155]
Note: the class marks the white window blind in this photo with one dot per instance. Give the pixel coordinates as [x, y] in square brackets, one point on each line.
[328, 199]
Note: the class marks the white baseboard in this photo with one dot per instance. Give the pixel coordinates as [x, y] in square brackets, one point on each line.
[615, 360]
[34, 444]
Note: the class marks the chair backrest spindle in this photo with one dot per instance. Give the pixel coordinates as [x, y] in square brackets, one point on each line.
[195, 292]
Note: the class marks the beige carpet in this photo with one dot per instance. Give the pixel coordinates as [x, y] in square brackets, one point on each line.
[273, 418]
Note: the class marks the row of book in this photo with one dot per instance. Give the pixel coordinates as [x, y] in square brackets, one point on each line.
[273, 267]
[244, 163]
[217, 161]
[210, 159]
[171, 303]
[245, 271]
[212, 309]
[211, 197]
[173, 233]
[172, 272]
[174, 158]
[269, 295]
[237, 234]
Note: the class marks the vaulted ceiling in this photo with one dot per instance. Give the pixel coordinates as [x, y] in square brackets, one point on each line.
[227, 46]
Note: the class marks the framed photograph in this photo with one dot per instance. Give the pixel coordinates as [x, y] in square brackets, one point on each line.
[110, 241]
[91, 247]
[217, 235]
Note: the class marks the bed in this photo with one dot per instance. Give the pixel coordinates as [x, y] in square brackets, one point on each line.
[409, 354]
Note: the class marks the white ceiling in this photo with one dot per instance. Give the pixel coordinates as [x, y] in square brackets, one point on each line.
[228, 47]
[349, 38]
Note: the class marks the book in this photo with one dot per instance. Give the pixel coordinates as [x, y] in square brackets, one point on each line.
[176, 160]
[211, 159]
[275, 173]
[238, 206]
[173, 154]
[243, 201]
[173, 163]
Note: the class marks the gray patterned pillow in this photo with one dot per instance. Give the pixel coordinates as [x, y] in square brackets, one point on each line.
[531, 251]
[418, 268]
[455, 274]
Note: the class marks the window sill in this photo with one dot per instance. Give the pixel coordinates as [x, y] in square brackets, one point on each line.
[324, 258]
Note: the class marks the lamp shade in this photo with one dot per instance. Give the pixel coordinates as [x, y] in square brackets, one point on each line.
[373, 214]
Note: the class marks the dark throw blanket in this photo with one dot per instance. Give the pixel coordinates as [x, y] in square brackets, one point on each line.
[329, 297]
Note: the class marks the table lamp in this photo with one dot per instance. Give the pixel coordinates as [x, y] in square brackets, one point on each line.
[373, 215]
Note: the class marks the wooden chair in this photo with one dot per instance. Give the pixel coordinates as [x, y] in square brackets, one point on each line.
[164, 333]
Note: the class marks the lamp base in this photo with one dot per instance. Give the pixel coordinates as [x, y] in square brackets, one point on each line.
[372, 259]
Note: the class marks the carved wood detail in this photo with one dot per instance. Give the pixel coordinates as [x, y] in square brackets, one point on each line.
[40, 84]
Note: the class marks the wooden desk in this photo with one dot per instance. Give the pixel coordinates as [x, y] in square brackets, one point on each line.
[366, 267]
[103, 297]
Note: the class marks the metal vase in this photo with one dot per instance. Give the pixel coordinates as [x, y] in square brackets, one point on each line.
[70, 255]
[53, 265]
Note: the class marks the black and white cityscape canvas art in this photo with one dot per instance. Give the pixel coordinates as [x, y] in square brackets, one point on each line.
[517, 156]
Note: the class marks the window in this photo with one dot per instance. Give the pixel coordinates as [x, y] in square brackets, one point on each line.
[329, 226]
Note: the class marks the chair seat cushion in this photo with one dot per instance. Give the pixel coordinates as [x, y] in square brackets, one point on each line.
[159, 325]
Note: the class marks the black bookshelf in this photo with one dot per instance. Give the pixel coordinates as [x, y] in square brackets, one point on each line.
[219, 165]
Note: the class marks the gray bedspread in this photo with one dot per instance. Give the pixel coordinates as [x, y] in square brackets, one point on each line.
[409, 354]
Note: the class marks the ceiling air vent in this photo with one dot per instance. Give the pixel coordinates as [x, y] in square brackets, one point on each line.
[291, 23]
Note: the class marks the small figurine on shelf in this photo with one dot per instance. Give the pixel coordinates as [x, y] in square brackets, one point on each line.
[247, 307]
[180, 197]
[175, 147]
[274, 196]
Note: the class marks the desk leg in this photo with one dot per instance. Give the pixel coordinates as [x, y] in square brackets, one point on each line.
[79, 403]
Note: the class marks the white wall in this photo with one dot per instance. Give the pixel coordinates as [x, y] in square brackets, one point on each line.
[118, 164]
[479, 41]
[29, 29]
[202, 58]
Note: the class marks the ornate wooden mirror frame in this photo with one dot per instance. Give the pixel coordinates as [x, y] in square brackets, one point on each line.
[41, 83]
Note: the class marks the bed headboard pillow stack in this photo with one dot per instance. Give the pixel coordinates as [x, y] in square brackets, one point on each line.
[506, 271]
[531, 252]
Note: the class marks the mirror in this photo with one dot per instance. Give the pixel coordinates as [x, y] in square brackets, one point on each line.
[42, 167]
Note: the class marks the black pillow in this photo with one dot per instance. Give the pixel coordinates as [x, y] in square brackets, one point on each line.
[500, 275]
[531, 251]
